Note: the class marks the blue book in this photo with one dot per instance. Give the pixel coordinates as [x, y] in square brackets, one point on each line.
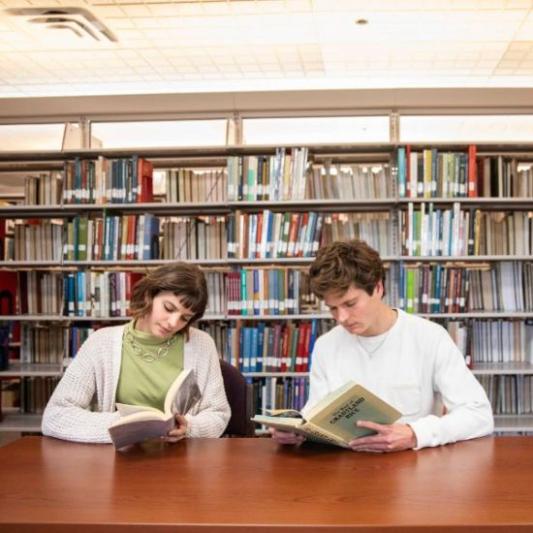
[312, 340]
[80, 294]
[244, 293]
[247, 349]
[254, 349]
[260, 346]
[402, 172]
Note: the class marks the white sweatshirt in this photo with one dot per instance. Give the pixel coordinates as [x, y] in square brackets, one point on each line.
[417, 368]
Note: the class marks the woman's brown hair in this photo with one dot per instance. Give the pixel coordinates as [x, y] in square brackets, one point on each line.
[184, 280]
[341, 264]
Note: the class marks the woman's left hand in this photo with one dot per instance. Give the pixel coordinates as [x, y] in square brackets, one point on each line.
[179, 432]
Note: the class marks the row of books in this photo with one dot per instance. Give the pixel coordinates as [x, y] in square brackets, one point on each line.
[505, 286]
[287, 347]
[194, 238]
[431, 231]
[431, 288]
[505, 177]
[112, 238]
[509, 395]
[35, 391]
[424, 232]
[45, 189]
[270, 291]
[42, 344]
[272, 347]
[39, 293]
[431, 173]
[349, 182]
[88, 293]
[501, 341]
[278, 177]
[102, 294]
[244, 235]
[37, 240]
[185, 185]
[279, 393]
[435, 288]
[274, 235]
[287, 176]
[102, 181]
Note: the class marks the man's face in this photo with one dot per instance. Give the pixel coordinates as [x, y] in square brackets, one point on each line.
[356, 310]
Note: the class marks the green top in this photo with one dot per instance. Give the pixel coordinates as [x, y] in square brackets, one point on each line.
[149, 366]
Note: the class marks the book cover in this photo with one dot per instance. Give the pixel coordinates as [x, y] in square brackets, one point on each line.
[140, 422]
[333, 420]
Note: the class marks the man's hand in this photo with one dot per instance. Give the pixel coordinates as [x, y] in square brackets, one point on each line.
[286, 437]
[389, 438]
[178, 433]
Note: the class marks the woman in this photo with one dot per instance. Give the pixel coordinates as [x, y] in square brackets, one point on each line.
[136, 363]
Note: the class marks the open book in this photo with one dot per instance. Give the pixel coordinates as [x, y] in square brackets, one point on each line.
[139, 422]
[333, 419]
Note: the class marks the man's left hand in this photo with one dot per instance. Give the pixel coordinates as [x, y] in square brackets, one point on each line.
[389, 438]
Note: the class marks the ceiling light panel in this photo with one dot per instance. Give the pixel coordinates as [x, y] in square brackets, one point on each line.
[405, 42]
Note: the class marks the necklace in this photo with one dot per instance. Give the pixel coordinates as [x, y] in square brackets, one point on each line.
[382, 341]
[376, 348]
[149, 353]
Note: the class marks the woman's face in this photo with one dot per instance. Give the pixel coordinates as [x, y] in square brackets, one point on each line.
[168, 316]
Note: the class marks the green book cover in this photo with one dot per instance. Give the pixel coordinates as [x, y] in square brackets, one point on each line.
[334, 419]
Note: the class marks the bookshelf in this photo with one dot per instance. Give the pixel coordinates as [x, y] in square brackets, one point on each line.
[356, 214]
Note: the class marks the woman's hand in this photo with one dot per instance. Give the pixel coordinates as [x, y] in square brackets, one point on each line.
[179, 432]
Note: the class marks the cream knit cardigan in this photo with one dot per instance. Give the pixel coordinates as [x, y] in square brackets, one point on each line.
[94, 373]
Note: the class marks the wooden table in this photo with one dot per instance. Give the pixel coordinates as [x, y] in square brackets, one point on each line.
[224, 484]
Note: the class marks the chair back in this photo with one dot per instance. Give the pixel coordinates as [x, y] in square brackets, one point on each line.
[239, 394]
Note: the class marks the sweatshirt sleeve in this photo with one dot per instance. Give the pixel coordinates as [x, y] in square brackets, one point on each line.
[318, 385]
[468, 411]
[211, 416]
[68, 415]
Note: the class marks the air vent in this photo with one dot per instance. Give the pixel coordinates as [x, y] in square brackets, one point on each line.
[78, 20]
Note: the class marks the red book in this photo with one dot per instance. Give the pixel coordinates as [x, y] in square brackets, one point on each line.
[300, 348]
[258, 235]
[145, 172]
[472, 171]
[132, 278]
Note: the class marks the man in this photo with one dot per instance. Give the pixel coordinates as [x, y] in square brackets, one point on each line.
[410, 362]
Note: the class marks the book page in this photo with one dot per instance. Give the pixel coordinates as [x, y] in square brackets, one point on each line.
[297, 425]
[124, 434]
[285, 424]
[126, 409]
[183, 394]
[316, 434]
[328, 399]
[284, 413]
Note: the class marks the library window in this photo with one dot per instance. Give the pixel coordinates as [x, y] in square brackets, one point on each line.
[313, 130]
[466, 128]
[163, 133]
[18, 137]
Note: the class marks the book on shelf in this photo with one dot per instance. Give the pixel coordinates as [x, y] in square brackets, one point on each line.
[140, 422]
[333, 420]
